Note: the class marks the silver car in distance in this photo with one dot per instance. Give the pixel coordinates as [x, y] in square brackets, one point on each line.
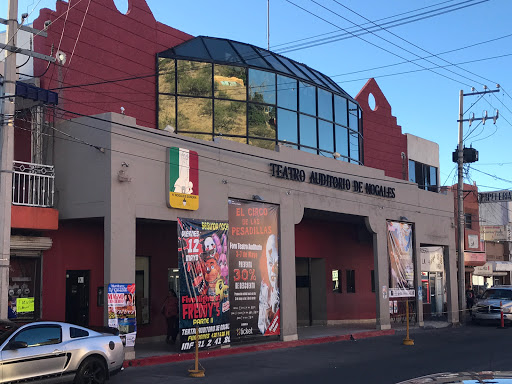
[53, 352]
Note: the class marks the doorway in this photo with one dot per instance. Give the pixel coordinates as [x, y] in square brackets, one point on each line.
[77, 297]
[311, 291]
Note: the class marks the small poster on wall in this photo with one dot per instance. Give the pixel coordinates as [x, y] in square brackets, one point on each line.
[400, 260]
[121, 311]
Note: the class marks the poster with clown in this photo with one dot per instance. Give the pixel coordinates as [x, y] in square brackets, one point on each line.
[204, 283]
[254, 269]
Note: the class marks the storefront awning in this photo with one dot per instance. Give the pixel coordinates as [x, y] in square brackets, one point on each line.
[474, 259]
[494, 268]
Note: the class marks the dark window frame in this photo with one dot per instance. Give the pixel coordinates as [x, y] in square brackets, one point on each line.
[351, 280]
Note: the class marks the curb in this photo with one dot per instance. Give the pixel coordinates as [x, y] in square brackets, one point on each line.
[155, 360]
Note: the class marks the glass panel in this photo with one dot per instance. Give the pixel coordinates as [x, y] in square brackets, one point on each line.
[262, 86]
[286, 92]
[249, 55]
[354, 145]
[24, 285]
[324, 104]
[166, 111]
[242, 140]
[433, 176]
[194, 78]
[230, 118]
[341, 142]
[166, 78]
[287, 129]
[352, 116]
[262, 121]
[311, 75]
[307, 98]
[194, 115]
[230, 82]
[308, 133]
[412, 171]
[326, 80]
[275, 63]
[292, 67]
[267, 144]
[192, 48]
[38, 336]
[325, 136]
[340, 110]
[197, 136]
[220, 50]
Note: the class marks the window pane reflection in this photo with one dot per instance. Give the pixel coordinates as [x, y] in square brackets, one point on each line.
[194, 79]
[307, 98]
[262, 120]
[325, 136]
[341, 141]
[354, 145]
[230, 82]
[230, 118]
[286, 92]
[262, 86]
[242, 140]
[194, 115]
[340, 110]
[324, 104]
[352, 116]
[197, 136]
[166, 80]
[308, 133]
[166, 111]
[287, 128]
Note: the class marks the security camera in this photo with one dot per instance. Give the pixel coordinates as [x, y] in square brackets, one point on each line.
[24, 16]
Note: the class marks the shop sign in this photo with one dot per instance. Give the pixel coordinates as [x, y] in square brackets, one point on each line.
[121, 311]
[254, 269]
[204, 283]
[496, 232]
[492, 197]
[432, 259]
[340, 183]
[474, 258]
[401, 276]
[182, 179]
[24, 304]
[483, 270]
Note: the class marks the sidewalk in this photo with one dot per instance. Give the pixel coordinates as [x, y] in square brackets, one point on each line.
[161, 353]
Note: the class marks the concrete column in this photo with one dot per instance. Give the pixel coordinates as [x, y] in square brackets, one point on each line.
[119, 229]
[450, 266]
[288, 287]
[377, 226]
[417, 279]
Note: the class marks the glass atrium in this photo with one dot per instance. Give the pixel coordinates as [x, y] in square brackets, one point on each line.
[209, 87]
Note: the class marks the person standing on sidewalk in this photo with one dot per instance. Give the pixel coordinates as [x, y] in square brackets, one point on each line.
[170, 311]
[470, 298]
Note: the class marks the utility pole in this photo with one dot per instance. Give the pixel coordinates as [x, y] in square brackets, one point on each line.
[460, 194]
[7, 155]
[7, 101]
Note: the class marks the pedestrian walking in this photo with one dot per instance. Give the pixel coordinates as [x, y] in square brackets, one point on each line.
[470, 298]
[170, 311]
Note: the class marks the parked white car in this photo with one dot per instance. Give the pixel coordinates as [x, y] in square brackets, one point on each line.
[488, 306]
[57, 352]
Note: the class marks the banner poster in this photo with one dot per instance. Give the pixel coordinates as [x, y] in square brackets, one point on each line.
[400, 260]
[254, 269]
[121, 311]
[204, 283]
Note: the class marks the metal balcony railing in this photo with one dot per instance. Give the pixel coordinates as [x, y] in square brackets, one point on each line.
[33, 184]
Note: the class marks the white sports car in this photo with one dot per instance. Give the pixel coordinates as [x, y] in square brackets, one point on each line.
[53, 352]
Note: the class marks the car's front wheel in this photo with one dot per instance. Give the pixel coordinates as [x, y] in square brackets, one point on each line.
[91, 371]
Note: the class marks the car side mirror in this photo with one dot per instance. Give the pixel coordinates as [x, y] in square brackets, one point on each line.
[18, 345]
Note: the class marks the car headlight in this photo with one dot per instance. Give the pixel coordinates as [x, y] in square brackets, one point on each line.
[507, 309]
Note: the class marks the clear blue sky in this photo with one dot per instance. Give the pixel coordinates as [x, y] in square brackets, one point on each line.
[426, 104]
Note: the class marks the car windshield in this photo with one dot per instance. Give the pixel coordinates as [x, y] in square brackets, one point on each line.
[505, 294]
[6, 329]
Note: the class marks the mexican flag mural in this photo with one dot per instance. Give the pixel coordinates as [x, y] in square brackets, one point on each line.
[183, 179]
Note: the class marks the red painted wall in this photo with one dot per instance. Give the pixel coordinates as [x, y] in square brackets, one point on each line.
[77, 245]
[383, 139]
[111, 46]
[159, 242]
[338, 243]
[34, 218]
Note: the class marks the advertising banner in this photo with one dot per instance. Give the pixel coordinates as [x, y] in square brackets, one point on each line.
[204, 282]
[254, 269]
[401, 264]
[121, 311]
[182, 179]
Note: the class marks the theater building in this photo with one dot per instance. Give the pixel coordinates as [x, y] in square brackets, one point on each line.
[221, 125]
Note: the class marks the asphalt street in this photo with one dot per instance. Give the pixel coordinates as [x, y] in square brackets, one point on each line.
[380, 360]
